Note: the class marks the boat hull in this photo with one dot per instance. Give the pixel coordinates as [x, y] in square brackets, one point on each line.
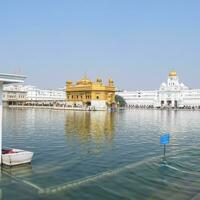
[17, 158]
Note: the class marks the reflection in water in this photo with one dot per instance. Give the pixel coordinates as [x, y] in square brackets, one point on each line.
[13, 175]
[90, 126]
[101, 155]
[18, 171]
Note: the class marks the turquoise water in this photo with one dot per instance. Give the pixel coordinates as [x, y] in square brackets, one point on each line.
[102, 155]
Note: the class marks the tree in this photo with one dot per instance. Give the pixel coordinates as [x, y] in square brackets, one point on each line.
[120, 101]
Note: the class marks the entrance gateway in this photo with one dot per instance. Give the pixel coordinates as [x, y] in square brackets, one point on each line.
[169, 103]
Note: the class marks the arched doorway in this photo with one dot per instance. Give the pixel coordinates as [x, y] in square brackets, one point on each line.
[88, 103]
[169, 103]
[175, 104]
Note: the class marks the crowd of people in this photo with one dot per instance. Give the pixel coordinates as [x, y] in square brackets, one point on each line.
[186, 107]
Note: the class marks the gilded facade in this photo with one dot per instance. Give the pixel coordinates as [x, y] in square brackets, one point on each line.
[86, 93]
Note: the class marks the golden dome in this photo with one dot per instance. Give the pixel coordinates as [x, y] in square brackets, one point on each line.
[110, 81]
[99, 80]
[84, 81]
[173, 73]
[69, 82]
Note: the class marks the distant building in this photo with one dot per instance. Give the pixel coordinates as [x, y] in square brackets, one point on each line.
[14, 94]
[30, 95]
[171, 94]
[94, 95]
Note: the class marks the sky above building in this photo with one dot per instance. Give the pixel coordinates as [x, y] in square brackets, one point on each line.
[136, 42]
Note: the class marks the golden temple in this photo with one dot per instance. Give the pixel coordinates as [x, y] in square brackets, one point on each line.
[86, 93]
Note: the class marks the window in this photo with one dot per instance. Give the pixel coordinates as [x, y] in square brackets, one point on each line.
[97, 97]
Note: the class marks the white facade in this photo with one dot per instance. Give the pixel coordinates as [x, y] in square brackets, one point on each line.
[99, 105]
[95, 105]
[170, 94]
[14, 93]
[31, 93]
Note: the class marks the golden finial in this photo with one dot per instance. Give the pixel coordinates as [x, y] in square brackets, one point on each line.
[99, 80]
[173, 73]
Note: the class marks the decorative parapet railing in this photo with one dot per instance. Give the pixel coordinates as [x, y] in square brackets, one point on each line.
[10, 78]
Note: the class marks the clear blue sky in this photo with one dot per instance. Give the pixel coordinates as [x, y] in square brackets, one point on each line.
[136, 42]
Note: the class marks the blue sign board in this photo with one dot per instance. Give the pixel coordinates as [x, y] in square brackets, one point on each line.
[164, 139]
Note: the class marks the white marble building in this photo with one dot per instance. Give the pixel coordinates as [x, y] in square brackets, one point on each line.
[173, 94]
[19, 94]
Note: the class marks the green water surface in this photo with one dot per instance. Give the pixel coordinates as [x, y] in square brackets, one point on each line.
[102, 155]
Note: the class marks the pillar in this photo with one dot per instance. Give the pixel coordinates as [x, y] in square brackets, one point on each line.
[1, 110]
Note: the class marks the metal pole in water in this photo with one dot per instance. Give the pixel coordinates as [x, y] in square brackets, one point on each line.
[1, 110]
[164, 150]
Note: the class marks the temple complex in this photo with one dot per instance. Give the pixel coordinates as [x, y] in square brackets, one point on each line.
[91, 95]
[171, 94]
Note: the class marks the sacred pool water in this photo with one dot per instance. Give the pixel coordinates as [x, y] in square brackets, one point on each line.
[102, 155]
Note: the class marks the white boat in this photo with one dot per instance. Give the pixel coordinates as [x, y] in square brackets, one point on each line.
[13, 157]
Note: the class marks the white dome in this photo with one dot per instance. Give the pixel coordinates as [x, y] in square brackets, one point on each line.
[163, 86]
[183, 86]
